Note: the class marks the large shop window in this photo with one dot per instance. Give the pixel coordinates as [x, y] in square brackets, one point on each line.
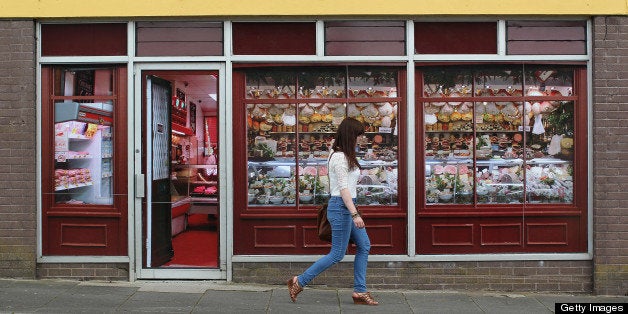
[84, 160]
[289, 118]
[504, 159]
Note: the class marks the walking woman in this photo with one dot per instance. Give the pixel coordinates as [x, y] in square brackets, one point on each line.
[343, 216]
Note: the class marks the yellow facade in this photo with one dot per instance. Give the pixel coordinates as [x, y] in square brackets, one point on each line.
[305, 8]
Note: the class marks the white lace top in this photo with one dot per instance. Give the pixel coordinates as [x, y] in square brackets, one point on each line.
[340, 177]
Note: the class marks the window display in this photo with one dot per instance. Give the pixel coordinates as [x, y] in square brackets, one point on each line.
[498, 135]
[83, 141]
[292, 117]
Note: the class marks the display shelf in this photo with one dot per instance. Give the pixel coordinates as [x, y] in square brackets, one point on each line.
[73, 186]
[83, 153]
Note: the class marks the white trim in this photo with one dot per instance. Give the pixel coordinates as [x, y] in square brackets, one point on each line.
[226, 147]
[501, 37]
[84, 259]
[38, 153]
[182, 274]
[590, 243]
[411, 139]
[419, 258]
[320, 38]
[179, 59]
[131, 155]
[84, 59]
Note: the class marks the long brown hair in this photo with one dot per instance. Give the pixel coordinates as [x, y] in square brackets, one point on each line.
[346, 139]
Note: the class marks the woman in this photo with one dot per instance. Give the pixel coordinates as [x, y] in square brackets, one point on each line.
[343, 216]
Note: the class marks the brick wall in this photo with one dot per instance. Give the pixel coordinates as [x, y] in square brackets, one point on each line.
[538, 276]
[610, 148]
[18, 198]
[84, 271]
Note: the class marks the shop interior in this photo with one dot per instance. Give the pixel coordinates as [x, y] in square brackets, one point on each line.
[193, 169]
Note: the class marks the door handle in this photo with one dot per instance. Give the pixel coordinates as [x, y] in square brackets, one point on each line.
[139, 185]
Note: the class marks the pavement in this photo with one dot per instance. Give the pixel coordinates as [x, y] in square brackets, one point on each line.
[58, 296]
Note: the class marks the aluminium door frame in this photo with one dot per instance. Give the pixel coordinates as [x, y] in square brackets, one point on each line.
[139, 179]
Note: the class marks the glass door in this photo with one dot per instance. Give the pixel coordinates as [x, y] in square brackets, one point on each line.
[179, 223]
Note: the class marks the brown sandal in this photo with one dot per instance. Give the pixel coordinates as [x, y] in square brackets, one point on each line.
[294, 288]
[364, 298]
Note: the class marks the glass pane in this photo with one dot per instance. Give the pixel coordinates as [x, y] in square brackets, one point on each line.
[518, 146]
[372, 82]
[499, 181]
[549, 150]
[438, 82]
[84, 136]
[273, 142]
[272, 147]
[548, 81]
[378, 152]
[449, 181]
[322, 83]
[498, 81]
[317, 124]
[83, 82]
[270, 84]
[83, 154]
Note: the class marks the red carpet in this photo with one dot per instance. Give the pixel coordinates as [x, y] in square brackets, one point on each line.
[197, 246]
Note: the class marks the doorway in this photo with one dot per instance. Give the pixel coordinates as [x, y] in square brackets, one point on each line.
[178, 224]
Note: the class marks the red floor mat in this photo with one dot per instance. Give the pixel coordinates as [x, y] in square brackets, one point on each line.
[197, 246]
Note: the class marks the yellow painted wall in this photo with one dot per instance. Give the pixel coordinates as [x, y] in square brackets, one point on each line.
[306, 8]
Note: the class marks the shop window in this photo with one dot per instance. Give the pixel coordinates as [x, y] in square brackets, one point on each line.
[266, 38]
[289, 138]
[507, 139]
[292, 115]
[365, 38]
[179, 39]
[455, 37]
[105, 39]
[546, 38]
[84, 173]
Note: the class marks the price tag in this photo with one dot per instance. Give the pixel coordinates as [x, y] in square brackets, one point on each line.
[385, 130]
[522, 128]
[479, 119]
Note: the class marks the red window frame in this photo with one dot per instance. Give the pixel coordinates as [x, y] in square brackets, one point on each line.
[450, 229]
[106, 224]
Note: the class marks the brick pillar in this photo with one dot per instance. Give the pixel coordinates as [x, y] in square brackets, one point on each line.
[18, 120]
[610, 148]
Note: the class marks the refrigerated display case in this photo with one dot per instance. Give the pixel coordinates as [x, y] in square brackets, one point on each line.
[83, 154]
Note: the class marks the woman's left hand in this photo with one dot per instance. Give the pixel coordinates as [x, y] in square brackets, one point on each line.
[358, 222]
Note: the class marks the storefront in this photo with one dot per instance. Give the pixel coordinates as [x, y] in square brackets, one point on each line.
[189, 148]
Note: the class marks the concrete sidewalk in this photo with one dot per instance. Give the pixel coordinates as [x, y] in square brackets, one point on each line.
[55, 296]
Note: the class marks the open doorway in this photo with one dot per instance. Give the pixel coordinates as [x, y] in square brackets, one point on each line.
[180, 212]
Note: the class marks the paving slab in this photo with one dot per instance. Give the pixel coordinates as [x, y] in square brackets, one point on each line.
[234, 302]
[161, 302]
[308, 301]
[29, 295]
[509, 303]
[441, 302]
[389, 302]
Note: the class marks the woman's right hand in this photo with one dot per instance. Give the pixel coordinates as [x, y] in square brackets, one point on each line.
[358, 222]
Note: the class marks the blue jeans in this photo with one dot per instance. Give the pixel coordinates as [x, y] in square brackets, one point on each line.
[342, 229]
